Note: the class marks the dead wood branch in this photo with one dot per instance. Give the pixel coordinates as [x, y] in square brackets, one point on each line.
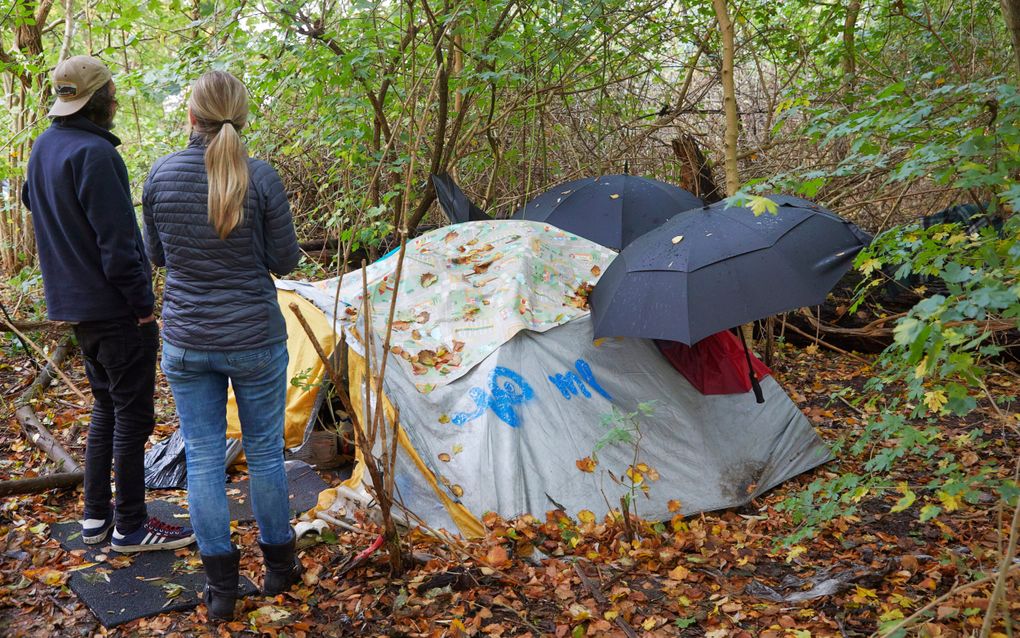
[31, 426]
[827, 345]
[39, 484]
[31, 325]
[50, 365]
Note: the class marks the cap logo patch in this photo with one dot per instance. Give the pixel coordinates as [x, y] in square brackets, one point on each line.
[67, 89]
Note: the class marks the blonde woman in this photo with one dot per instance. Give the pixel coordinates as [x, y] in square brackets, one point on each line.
[220, 223]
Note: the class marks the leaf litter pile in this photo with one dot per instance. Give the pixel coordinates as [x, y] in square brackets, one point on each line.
[716, 574]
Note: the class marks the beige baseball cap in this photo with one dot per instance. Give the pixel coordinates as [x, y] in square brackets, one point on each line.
[74, 81]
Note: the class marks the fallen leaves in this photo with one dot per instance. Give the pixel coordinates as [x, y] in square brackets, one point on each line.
[47, 576]
[688, 576]
[578, 298]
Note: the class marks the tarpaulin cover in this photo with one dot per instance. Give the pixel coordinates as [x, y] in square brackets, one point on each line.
[465, 290]
[505, 434]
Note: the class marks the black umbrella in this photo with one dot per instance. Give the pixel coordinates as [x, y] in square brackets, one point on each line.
[455, 203]
[717, 267]
[612, 210]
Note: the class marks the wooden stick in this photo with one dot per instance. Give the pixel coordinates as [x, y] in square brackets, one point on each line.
[828, 345]
[330, 370]
[1000, 582]
[31, 325]
[49, 361]
[31, 426]
[41, 483]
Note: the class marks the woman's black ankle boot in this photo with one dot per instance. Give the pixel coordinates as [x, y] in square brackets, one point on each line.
[283, 569]
[221, 584]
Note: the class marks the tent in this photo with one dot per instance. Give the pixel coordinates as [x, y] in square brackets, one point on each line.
[503, 395]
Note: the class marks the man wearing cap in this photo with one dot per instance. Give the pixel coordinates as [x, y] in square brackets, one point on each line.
[96, 277]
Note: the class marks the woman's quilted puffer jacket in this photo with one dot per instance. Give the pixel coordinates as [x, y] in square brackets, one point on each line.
[219, 294]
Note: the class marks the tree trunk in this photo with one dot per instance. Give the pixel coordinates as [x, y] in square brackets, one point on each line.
[65, 48]
[729, 96]
[695, 172]
[853, 9]
[1011, 14]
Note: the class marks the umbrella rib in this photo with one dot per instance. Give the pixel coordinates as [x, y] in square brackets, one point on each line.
[562, 201]
[673, 196]
[740, 221]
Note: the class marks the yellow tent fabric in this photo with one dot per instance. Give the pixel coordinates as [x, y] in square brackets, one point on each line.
[304, 363]
[467, 523]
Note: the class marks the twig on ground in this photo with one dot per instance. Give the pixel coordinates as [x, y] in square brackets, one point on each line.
[49, 361]
[1000, 582]
[601, 599]
[828, 345]
[31, 426]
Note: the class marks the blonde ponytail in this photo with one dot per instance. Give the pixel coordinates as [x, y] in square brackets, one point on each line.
[219, 107]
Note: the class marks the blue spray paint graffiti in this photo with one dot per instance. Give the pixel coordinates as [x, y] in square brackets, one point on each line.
[507, 389]
[570, 383]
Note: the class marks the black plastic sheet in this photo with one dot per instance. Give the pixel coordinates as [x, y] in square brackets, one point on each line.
[165, 465]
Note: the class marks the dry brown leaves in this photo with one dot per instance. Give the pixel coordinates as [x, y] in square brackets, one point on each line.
[556, 576]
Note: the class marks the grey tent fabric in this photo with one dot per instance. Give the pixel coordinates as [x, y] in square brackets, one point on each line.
[505, 436]
[515, 425]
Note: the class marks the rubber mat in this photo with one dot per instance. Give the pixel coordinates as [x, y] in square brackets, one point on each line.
[119, 588]
[303, 485]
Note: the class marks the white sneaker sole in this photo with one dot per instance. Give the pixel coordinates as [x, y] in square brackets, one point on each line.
[99, 538]
[152, 547]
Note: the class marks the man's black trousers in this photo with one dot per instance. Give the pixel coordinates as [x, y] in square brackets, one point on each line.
[120, 362]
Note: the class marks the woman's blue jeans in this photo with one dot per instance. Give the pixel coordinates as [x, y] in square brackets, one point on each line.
[199, 380]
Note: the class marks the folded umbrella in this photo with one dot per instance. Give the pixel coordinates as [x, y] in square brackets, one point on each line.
[612, 210]
[717, 267]
[455, 203]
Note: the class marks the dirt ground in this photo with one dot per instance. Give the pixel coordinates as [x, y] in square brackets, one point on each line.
[715, 574]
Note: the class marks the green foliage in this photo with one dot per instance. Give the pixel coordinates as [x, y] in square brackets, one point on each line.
[625, 430]
[624, 427]
[935, 367]
[303, 380]
[960, 135]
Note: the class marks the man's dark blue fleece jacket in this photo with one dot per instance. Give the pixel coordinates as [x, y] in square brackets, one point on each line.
[90, 248]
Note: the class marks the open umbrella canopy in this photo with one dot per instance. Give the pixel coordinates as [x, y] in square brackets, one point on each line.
[612, 210]
[717, 267]
[455, 203]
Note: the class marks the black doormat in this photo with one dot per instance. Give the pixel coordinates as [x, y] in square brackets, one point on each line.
[122, 587]
[303, 485]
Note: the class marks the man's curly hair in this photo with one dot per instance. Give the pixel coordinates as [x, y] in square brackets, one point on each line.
[99, 108]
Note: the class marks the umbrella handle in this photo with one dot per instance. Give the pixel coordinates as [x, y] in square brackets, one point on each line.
[758, 396]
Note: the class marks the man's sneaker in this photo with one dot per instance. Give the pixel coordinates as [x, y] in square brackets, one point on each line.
[153, 535]
[95, 530]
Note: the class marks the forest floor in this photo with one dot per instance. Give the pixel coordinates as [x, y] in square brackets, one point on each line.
[715, 574]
